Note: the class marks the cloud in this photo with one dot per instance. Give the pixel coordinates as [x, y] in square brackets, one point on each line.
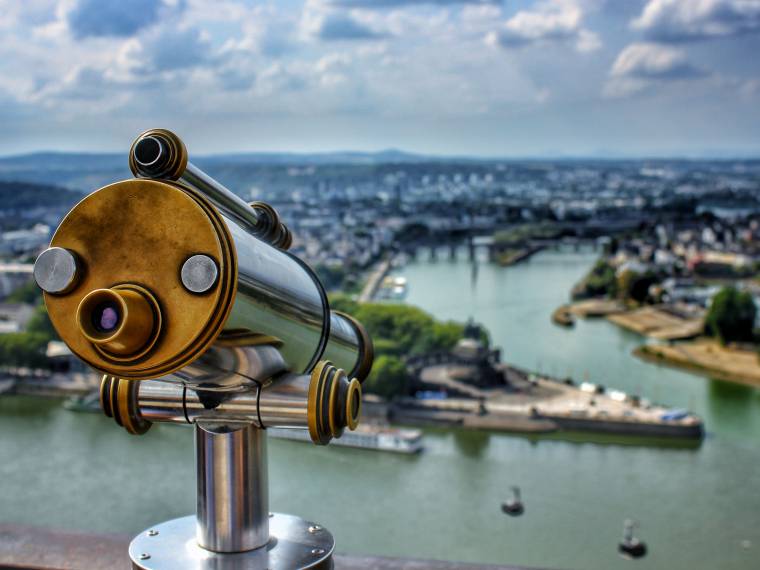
[15, 14]
[264, 31]
[114, 18]
[641, 65]
[652, 61]
[166, 50]
[549, 21]
[689, 20]
[335, 26]
[406, 3]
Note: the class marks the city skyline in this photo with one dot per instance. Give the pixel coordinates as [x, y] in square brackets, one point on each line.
[475, 78]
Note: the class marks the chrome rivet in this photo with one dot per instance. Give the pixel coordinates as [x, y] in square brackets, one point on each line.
[56, 271]
[318, 551]
[152, 533]
[199, 273]
[314, 528]
[271, 515]
[144, 556]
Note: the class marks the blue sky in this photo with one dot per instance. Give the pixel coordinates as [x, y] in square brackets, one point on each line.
[468, 77]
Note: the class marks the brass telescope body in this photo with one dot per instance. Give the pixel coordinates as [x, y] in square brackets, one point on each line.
[187, 300]
[133, 241]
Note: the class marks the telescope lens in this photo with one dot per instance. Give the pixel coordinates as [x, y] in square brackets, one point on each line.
[147, 151]
[106, 317]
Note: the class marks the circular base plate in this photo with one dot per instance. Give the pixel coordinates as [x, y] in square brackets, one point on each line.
[172, 545]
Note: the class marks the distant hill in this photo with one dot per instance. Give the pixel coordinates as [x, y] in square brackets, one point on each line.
[85, 172]
[26, 196]
[75, 171]
[301, 159]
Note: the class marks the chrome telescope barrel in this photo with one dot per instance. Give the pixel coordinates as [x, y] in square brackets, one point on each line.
[164, 274]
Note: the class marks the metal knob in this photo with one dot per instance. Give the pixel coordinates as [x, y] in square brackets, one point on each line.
[56, 271]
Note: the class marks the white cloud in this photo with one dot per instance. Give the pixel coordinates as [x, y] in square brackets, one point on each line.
[239, 65]
[321, 20]
[548, 21]
[685, 20]
[641, 65]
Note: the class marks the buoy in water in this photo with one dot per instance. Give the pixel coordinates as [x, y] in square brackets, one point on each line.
[513, 507]
[631, 547]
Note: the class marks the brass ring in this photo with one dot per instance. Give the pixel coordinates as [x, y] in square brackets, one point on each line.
[155, 333]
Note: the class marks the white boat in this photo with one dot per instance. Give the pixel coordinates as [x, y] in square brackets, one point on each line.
[393, 288]
[382, 438]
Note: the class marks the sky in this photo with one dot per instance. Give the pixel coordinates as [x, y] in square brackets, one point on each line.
[497, 78]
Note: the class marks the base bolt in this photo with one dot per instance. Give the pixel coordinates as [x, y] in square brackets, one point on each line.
[318, 551]
[152, 533]
[144, 556]
[314, 528]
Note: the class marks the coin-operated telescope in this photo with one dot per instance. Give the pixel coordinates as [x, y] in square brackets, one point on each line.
[187, 299]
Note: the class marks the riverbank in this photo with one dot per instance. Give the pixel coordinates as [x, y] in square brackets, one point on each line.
[376, 277]
[564, 315]
[541, 404]
[56, 385]
[660, 322]
[508, 257]
[707, 358]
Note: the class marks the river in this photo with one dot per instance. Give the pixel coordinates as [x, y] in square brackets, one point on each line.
[698, 507]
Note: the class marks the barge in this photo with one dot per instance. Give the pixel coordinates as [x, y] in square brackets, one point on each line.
[380, 438]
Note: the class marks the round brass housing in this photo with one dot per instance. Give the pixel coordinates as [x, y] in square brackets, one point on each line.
[334, 403]
[353, 404]
[118, 400]
[131, 239]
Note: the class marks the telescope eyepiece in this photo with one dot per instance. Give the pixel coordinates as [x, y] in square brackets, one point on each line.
[122, 322]
[148, 151]
[156, 154]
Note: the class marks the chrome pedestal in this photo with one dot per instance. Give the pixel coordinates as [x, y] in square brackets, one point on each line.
[233, 529]
[293, 543]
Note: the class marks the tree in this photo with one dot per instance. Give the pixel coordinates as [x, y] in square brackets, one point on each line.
[601, 280]
[27, 293]
[635, 286]
[388, 377]
[731, 317]
[23, 349]
[28, 348]
[40, 324]
[399, 331]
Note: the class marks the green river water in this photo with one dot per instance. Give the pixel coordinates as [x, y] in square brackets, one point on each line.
[699, 507]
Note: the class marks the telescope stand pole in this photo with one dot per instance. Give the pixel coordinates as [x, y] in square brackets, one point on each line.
[233, 491]
[233, 528]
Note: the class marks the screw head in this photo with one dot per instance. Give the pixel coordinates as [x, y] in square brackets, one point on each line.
[199, 273]
[152, 533]
[314, 528]
[144, 556]
[318, 551]
[56, 271]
